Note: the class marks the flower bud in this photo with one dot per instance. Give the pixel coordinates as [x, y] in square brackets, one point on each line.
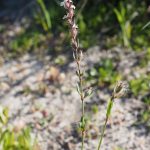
[121, 89]
[66, 4]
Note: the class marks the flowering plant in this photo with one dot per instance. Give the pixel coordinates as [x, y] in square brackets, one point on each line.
[121, 87]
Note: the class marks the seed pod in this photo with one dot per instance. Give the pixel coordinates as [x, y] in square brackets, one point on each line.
[121, 89]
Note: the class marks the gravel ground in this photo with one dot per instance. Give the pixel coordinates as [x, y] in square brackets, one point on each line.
[43, 95]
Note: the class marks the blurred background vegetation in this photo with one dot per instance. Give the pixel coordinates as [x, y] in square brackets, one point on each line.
[38, 28]
[102, 22]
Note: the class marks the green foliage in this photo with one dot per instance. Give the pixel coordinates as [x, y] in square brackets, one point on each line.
[131, 18]
[60, 60]
[126, 27]
[146, 100]
[2, 28]
[145, 59]
[104, 72]
[22, 140]
[42, 16]
[27, 41]
[3, 116]
[145, 114]
[140, 86]
[83, 123]
[82, 24]
[145, 26]
[11, 139]
[146, 117]
[96, 24]
[95, 109]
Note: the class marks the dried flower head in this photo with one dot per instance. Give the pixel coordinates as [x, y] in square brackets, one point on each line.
[121, 89]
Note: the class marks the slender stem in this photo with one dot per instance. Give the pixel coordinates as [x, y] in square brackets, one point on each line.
[82, 130]
[83, 108]
[77, 53]
[81, 9]
[82, 148]
[109, 107]
[82, 99]
[102, 135]
[80, 79]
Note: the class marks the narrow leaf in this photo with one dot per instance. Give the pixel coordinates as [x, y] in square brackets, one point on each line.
[146, 25]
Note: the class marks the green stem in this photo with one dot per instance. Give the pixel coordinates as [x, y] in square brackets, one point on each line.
[82, 148]
[109, 107]
[102, 135]
[82, 99]
[82, 108]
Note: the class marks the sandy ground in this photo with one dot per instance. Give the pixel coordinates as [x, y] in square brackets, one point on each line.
[43, 95]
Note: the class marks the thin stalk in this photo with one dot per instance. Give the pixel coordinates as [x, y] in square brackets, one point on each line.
[82, 148]
[102, 135]
[81, 9]
[80, 78]
[109, 107]
[82, 130]
[77, 54]
[82, 99]
[83, 108]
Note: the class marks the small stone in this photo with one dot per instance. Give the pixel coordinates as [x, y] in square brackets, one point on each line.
[4, 86]
[38, 126]
[37, 115]
[44, 113]
[52, 74]
[19, 125]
